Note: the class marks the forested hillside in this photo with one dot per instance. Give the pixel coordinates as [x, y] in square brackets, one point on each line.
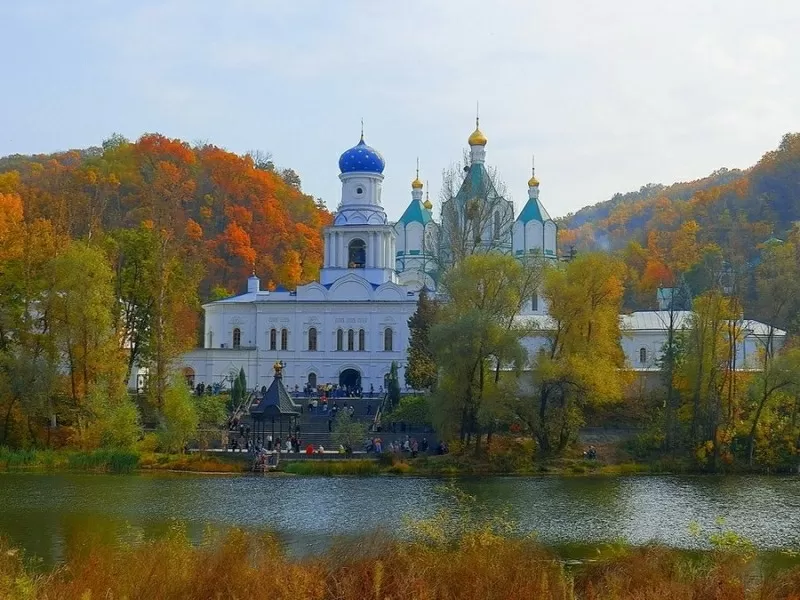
[697, 232]
[105, 256]
[229, 212]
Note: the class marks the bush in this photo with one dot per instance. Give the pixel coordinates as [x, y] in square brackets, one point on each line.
[413, 410]
[112, 421]
[179, 419]
[113, 461]
[510, 454]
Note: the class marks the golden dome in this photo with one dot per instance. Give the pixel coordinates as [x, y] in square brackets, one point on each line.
[427, 204]
[533, 182]
[477, 138]
[416, 184]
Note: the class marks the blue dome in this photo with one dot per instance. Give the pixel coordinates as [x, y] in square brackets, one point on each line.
[361, 158]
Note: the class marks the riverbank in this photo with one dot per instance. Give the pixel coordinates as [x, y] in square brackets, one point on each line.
[450, 465]
[478, 565]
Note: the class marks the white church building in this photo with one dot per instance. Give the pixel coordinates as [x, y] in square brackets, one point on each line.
[350, 325]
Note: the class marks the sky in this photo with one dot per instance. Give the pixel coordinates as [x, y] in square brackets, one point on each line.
[609, 96]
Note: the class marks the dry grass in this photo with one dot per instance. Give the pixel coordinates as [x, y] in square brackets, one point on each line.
[479, 566]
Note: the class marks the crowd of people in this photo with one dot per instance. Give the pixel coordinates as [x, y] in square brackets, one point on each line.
[335, 390]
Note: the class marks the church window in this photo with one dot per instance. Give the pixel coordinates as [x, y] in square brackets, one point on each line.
[312, 380]
[361, 345]
[642, 355]
[273, 339]
[339, 339]
[237, 337]
[535, 302]
[357, 254]
[387, 339]
[359, 190]
[497, 225]
[350, 340]
[312, 339]
[284, 339]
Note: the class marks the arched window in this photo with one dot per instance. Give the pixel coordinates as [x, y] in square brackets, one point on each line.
[361, 345]
[339, 339]
[284, 339]
[643, 355]
[312, 380]
[237, 337]
[497, 225]
[312, 339]
[535, 302]
[350, 340]
[387, 340]
[357, 254]
[273, 339]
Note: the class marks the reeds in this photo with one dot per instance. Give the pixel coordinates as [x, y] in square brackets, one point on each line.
[478, 566]
[105, 461]
[353, 466]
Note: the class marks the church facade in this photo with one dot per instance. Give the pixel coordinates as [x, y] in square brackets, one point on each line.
[348, 327]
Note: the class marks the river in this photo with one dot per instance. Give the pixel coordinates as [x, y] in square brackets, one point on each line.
[41, 512]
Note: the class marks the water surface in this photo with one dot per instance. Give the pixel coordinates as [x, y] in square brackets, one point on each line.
[41, 512]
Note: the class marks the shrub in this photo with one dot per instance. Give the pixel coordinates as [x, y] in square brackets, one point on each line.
[179, 418]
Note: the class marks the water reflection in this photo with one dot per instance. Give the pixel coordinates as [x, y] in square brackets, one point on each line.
[48, 513]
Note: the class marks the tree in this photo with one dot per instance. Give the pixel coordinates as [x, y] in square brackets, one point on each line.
[476, 216]
[474, 333]
[581, 360]
[111, 418]
[212, 415]
[81, 303]
[420, 371]
[346, 432]
[781, 373]
[179, 417]
[394, 386]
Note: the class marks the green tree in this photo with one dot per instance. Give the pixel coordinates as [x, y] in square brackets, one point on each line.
[212, 415]
[179, 416]
[81, 303]
[242, 384]
[420, 372]
[476, 332]
[111, 418]
[394, 385]
[782, 373]
[347, 432]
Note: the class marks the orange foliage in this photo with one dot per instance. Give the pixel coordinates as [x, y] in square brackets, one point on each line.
[249, 216]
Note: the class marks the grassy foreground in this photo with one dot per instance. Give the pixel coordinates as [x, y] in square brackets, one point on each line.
[118, 461]
[479, 566]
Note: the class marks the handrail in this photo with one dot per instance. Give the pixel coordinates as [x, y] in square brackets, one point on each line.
[381, 407]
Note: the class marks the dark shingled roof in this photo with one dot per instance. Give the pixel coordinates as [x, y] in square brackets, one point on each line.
[275, 402]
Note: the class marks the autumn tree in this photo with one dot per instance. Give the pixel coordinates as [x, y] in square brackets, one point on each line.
[471, 336]
[581, 360]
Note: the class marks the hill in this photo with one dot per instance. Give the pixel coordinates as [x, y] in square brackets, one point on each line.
[699, 233]
[752, 205]
[230, 213]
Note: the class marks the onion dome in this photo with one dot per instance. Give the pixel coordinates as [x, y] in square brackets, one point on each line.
[477, 138]
[361, 158]
[416, 184]
[533, 182]
[428, 204]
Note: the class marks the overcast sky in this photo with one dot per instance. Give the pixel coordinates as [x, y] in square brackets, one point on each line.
[609, 95]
